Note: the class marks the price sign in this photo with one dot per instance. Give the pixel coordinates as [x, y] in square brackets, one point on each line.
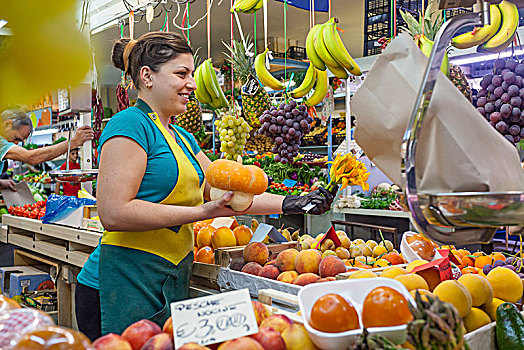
[213, 319]
[251, 86]
[289, 183]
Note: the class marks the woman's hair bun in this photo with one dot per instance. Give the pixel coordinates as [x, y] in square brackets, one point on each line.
[117, 55]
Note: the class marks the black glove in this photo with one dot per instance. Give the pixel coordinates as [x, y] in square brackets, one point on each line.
[321, 198]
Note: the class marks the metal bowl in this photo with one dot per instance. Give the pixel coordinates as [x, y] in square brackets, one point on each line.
[74, 176]
[473, 209]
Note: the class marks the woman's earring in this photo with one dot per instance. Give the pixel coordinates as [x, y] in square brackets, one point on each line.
[149, 85]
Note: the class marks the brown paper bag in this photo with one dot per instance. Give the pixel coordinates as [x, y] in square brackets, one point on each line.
[457, 149]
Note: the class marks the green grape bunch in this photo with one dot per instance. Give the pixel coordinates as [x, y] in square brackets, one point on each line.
[234, 132]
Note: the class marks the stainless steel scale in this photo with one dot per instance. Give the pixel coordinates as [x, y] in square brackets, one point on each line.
[453, 218]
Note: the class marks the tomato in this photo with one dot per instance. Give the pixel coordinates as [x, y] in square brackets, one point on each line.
[11, 209]
[332, 313]
[385, 307]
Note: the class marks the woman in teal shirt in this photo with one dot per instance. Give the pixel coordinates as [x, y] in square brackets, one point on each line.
[151, 189]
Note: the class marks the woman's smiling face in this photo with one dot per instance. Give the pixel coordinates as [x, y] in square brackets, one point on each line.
[174, 82]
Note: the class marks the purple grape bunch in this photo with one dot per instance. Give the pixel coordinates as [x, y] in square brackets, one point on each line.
[501, 98]
[514, 264]
[285, 125]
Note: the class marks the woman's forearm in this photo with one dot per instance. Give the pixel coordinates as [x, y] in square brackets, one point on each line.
[266, 203]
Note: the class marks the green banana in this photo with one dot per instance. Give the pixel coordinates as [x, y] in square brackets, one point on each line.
[426, 46]
[482, 34]
[321, 88]
[503, 38]
[307, 84]
[338, 71]
[264, 75]
[336, 47]
[321, 49]
[201, 92]
[310, 49]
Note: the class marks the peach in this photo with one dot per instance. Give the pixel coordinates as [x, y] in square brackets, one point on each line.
[271, 262]
[252, 268]
[261, 312]
[243, 343]
[111, 341]
[326, 279]
[193, 346]
[256, 252]
[269, 339]
[331, 266]
[140, 332]
[243, 234]
[286, 259]
[306, 278]
[237, 264]
[287, 276]
[278, 322]
[168, 327]
[269, 271]
[160, 341]
[297, 338]
[308, 261]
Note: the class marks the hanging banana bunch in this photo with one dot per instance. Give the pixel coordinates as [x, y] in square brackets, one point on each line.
[208, 90]
[247, 6]
[325, 49]
[264, 75]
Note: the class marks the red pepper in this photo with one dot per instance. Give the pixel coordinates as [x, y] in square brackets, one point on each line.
[257, 164]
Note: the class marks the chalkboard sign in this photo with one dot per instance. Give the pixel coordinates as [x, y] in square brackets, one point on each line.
[213, 319]
[251, 86]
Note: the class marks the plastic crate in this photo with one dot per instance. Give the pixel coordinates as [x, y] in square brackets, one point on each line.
[296, 52]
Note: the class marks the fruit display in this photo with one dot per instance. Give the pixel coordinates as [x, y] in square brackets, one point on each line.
[423, 32]
[247, 6]
[245, 181]
[233, 132]
[263, 73]
[383, 197]
[325, 49]
[500, 99]
[42, 177]
[423, 247]
[191, 119]
[258, 143]
[253, 103]
[208, 90]
[495, 37]
[285, 125]
[311, 158]
[32, 211]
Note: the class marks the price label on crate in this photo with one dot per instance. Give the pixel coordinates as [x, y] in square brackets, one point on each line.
[213, 319]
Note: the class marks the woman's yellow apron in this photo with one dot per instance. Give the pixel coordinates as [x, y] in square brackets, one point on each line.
[141, 273]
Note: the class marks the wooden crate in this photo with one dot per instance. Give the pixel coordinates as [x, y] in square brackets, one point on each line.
[224, 256]
[270, 297]
[376, 270]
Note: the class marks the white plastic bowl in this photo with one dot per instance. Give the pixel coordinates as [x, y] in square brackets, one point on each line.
[355, 291]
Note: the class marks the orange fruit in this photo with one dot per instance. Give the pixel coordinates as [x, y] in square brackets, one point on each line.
[205, 255]
[469, 269]
[243, 234]
[385, 307]
[464, 252]
[478, 254]
[204, 236]
[223, 237]
[393, 258]
[498, 256]
[332, 313]
[468, 261]
[197, 226]
[484, 260]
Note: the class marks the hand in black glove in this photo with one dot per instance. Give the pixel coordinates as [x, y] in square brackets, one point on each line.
[321, 198]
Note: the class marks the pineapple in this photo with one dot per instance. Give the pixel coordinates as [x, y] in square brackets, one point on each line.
[191, 119]
[424, 30]
[436, 325]
[253, 105]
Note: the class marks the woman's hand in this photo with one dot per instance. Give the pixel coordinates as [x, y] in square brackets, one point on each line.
[219, 207]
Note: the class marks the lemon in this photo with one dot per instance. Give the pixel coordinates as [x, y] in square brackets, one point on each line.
[479, 288]
[476, 319]
[455, 293]
[506, 284]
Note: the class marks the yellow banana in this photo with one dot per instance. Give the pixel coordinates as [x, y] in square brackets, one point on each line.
[321, 88]
[310, 49]
[335, 45]
[211, 81]
[264, 75]
[248, 5]
[482, 34]
[307, 84]
[503, 38]
[257, 7]
[321, 49]
[338, 71]
[236, 6]
[201, 92]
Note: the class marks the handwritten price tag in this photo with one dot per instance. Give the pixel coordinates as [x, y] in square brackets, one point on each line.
[214, 318]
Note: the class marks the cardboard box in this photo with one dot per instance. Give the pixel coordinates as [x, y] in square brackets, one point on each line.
[14, 279]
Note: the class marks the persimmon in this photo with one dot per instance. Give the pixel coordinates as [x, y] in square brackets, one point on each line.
[393, 258]
[498, 256]
[205, 255]
[332, 313]
[484, 260]
[385, 307]
[204, 236]
[469, 269]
